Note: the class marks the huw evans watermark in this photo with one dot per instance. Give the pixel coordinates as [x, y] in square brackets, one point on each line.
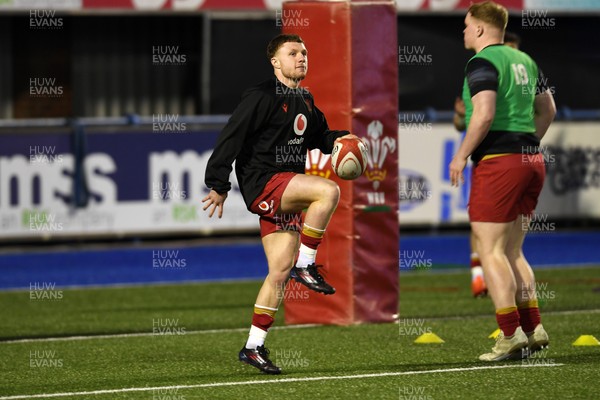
[168, 259]
[412, 327]
[44, 291]
[167, 326]
[45, 359]
[414, 260]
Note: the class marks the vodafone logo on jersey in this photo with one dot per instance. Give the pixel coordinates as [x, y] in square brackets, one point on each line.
[300, 124]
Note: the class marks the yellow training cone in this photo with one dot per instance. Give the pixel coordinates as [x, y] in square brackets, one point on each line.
[429, 338]
[586, 340]
[494, 334]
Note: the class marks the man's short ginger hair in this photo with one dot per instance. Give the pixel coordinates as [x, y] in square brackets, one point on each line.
[491, 13]
[278, 41]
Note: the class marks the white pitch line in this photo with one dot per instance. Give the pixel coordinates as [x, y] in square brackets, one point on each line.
[463, 317]
[262, 382]
[145, 334]
[230, 330]
[573, 312]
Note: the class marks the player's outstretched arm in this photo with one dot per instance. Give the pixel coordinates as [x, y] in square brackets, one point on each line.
[215, 201]
[545, 110]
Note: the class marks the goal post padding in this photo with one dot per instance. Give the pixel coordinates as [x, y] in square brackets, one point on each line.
[353, 75]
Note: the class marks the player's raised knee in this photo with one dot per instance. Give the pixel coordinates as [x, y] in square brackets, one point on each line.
[331, 191]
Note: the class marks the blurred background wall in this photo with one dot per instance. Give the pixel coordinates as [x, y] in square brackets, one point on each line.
[110, 108]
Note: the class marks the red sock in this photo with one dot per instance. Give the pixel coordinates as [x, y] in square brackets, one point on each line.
[311, 237]
[262, 321]
[529, 315]
[508, 320]
[310, 242]
[475, 261]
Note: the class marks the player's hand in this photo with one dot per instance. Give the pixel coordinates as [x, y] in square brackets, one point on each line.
[348, 136]
[351, 136]
[456, 167]
[459, 107]
[215, 201]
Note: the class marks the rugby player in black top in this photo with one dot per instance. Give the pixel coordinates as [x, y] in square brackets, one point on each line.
[268, 136]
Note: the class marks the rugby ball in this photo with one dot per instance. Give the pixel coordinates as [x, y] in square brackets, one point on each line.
[349, 158]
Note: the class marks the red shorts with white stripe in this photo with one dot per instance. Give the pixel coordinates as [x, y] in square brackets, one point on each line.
[267, 204]
[506, 186]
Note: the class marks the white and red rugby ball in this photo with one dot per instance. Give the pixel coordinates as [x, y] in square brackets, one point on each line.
[349, 158]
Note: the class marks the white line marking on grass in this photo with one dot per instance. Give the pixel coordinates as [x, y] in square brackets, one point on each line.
[145, 334]
[572, 312]
[261, 382]
[230, 330]
[464, 317]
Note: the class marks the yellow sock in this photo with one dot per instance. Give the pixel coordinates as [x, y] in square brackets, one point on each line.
[264, 310]
[528, 304]
[312, 232]
[506, 310]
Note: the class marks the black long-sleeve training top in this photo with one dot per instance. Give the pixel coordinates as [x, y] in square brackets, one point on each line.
[269, 132]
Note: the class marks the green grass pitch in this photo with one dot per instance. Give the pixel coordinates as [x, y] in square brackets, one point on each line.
[204, 325]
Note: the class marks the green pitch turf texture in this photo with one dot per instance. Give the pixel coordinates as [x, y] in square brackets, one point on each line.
[208, 324]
